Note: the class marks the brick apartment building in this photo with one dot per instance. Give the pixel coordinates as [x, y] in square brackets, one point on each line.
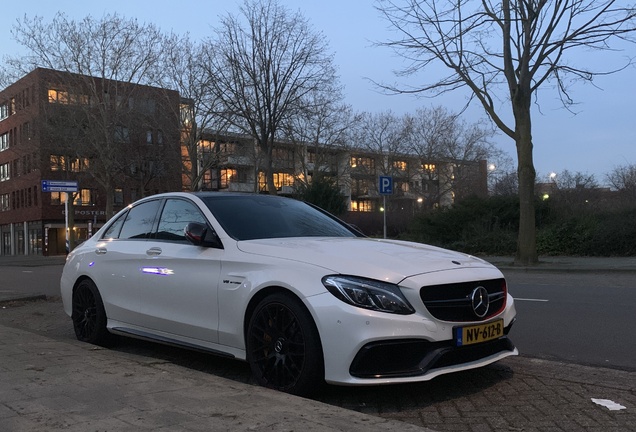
[119, 141]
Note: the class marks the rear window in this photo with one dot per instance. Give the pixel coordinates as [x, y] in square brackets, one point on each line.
[137, 223]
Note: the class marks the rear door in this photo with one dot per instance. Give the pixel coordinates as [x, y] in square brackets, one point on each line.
[118, 258]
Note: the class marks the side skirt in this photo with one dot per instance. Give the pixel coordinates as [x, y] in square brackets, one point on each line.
[151, 337]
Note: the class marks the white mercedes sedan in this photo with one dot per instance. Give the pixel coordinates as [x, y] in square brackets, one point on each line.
[297, 293]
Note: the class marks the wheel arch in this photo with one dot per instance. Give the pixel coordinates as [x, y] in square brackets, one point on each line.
[267, 291]
[81, 279]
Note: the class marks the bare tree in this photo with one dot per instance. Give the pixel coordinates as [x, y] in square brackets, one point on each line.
[103, 64]
[384, 134]
[503, 52]
[320, 130]
[623, 179]
[381, 142]
[567, 180]
[262, 67]
[184, 71]
[440, 138]
[576, 191]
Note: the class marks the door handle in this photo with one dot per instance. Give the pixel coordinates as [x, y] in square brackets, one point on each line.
[101, 251]
[154, 251]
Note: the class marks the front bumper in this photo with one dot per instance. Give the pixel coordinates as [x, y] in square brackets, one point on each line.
[364, 347]
[416, 357]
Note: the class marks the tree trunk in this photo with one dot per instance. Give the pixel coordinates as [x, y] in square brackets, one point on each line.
[269, 166]
[527, 243]
[70, 217]
[110, 199]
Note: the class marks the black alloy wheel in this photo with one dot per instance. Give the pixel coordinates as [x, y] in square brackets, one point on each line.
[283, 346]
[88, 315]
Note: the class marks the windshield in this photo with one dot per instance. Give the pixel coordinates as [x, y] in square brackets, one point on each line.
[252, 217]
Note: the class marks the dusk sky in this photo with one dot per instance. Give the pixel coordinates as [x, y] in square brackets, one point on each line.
[600, 137]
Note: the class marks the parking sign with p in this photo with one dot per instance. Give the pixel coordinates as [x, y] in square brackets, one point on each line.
[386, 185]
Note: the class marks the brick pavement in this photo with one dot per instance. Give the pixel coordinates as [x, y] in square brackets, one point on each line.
[63, 384]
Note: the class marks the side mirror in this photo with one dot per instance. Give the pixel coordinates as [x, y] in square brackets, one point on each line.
[202, 235]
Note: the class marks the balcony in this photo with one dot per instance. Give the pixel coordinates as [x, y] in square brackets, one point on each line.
[240, 187]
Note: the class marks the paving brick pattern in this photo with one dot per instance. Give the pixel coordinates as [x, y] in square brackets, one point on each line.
[517, 394]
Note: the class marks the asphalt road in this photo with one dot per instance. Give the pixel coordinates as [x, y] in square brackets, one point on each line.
[584, 318]
[43, 279]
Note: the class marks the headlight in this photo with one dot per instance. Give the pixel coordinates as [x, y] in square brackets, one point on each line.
[368, 294]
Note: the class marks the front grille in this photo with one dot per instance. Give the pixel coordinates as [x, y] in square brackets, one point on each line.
[452, 302]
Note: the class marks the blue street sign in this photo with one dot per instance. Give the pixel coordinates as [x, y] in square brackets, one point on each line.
[59, 186]
[385, 185]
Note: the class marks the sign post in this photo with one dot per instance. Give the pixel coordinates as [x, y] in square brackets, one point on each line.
[385, 187]
[65, 186]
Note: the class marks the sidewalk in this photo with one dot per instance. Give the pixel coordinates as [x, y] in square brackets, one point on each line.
[568, 264]
[50, 385]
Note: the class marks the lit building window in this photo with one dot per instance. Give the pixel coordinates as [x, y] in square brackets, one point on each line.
[79, 164]
[226, 177]
[280, 180]
[83, 198]
[58, 96]
[58, 198]
[362, 205]
[429, 168]
[400, 165]
[205, 147]
[362, 162]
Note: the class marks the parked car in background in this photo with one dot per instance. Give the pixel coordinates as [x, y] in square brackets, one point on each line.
[300, 295]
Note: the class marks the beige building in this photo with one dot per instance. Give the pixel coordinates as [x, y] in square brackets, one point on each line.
[417, 185]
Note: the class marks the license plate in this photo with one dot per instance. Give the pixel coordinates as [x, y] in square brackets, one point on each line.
[479, 333]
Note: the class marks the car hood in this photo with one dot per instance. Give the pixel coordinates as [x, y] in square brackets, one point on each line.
[388, 260]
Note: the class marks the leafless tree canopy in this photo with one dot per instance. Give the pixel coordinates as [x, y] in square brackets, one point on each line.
[623, 180]
[113, 47]
[97, 56]
[503, 52]
[184, 70]
[322, 127]
[439, 139]
[263, 65]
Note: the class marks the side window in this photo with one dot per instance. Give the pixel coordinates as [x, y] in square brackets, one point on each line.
[176, 215]
[113, 230]
[140, 219]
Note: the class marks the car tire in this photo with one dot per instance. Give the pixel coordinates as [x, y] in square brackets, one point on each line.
[89, 316]
[283, 346]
